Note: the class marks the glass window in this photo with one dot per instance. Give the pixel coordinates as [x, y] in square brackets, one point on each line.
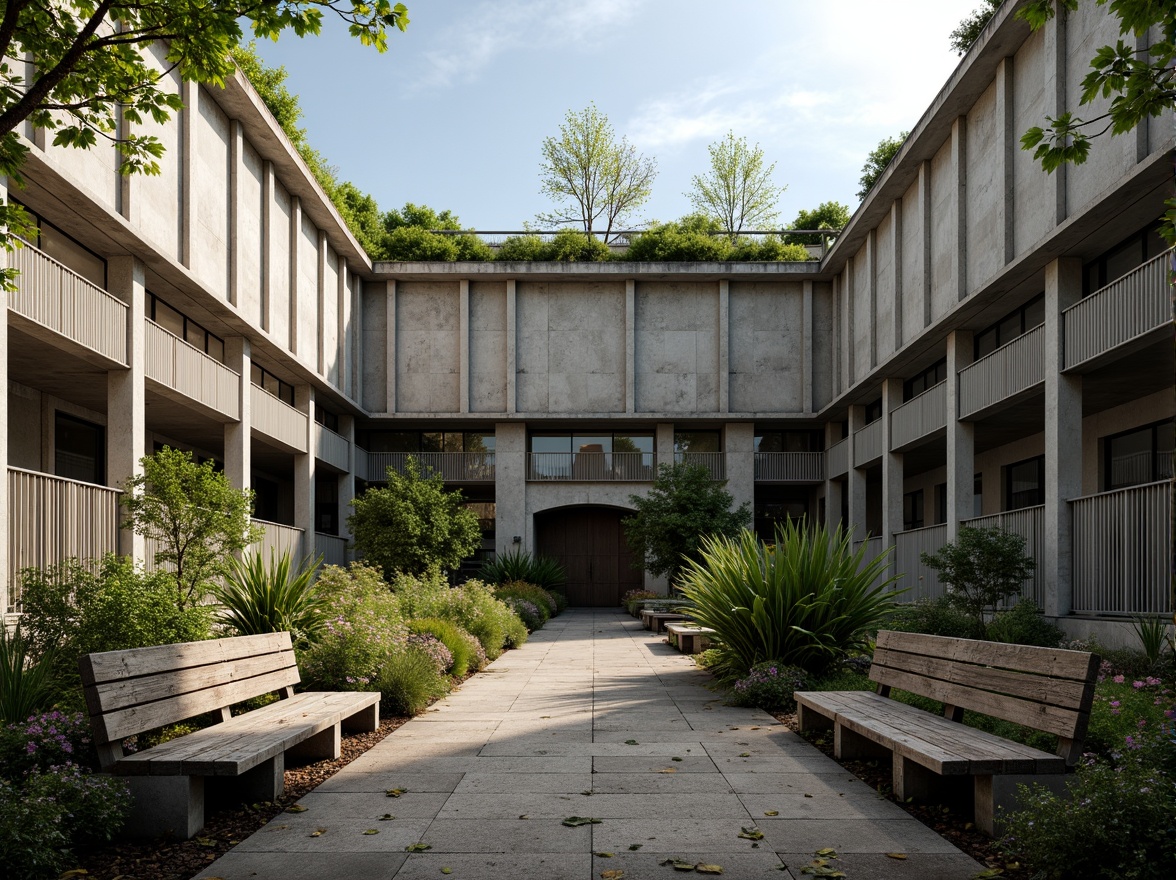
[195, 335]
[789, 441]
[167, 318]
[1034, 313]
[977, 495]
[642, 443]
[1025, 483]
[551, 444]
[986, 342]
[255, 374]
[478, 442]
[912, 510]
[940, 503]
[69, 253]
[874, 411]
[216, 348]
[697, 441]
[79, 449]
[1143, 455]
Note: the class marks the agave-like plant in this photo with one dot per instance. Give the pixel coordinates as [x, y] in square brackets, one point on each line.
[257, 597]
[27, 685]
[806, 602]
[519, 565]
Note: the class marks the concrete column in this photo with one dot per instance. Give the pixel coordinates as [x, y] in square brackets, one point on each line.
[510, 488]
[630, 345]
[724, 347]
[739, 446]
[892, 476]
[959, 173]
[872, 282]
[833, 488]
[896, 262]
[925, 237]
[1010, 144]
[320, 354]
[1055, 103]
[238, 435]
[390, 351]
[304, 471]
[961, 454]
[189, 189]
[298, 345]
[806, 342]
[268, 181]
[663, 443]
[856, 478]
[6, 589]
[1063, 436]
[236, 169]
[347, 480]
[512, 372]
[126, 431]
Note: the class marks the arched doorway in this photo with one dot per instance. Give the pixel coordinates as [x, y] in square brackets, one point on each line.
[591, 545]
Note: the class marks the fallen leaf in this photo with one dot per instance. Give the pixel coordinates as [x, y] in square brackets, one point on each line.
[633, 847]
[826, 853]
[900, 856]
[604, 855]
[371, 831]
[808, 795]
[524, 816]
[576, 821]
[771, 812]
[417, 847]
[395, 792]
[587, 792]
[206, 841]
[668, 770]
[751, 834]
[755, 728]
[76, 872]
[986, 875]
[613, 874]
[677, 864]
[447, 870]
[675, 759]
[296, 808]
[631, 742]
[745, 754]
[318, 832]
[708, 869]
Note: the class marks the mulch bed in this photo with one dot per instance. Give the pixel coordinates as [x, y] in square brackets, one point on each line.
[183, 859]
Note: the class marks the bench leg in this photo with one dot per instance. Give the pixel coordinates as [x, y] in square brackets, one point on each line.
[848, 745]
[365, 721]
[165, 806]
[992, 794]
[809, 719]
[325, 745]
[265, 782]
[913, 780]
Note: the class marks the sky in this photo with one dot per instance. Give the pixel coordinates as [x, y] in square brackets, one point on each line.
[454, 114]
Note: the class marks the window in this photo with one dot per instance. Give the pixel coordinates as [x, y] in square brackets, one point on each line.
[912, 510]
[874, 411]
[589, 456]
[1014, 324]
[326, 504]
[978, 495]
[697, 441]
[178, 324]
[327, 419]
[79, 449]
[267, 381]
[1142, 455]
[1025, 483]
[789, 441]
[426, 441]
[930, 377]
[1133, 251]
[66, 250]
[607, 443]
[940, 504]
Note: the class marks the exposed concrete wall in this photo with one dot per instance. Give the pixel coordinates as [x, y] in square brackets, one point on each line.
[912, 275]
[251, 249]
[861, 324]
[375, 343]
[487, 346]
[824, 347]
[1031, 217]
[766, 332]
[210, 167]
[329, 334]
[676, 344]
[24, 409]
[983, 207]
[884, 286]
[307, 292]
[943, 238]
[155, 202]
[278, 237]
[428, 347]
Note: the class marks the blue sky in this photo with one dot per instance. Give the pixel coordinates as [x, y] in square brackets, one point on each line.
[453, 115]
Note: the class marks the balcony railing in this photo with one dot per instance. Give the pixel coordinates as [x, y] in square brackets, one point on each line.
[1029, 523]
[591, 466]
[837, 458]
[454, 467]
[1123, 551]
[1000, 374]
[279, 538]
[61, 300]
[789, 467]
[330, 447]
[921, 415]
[51, 519]
[715, 462]
[277, 419]
[919, 581]
[874, 549]
[332, 547]
[867, 444]
[181, 367]
[1126, 308]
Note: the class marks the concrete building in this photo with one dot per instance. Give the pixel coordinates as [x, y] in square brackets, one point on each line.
[984, 343]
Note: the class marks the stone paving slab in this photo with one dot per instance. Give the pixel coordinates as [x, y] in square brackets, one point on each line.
[553, 720]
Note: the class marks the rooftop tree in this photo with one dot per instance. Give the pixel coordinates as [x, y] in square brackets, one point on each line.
[737, 191]
[878, 160]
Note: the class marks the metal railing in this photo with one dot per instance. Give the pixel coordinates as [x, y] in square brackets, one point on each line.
[51, 519]
[874, 549]
[867, 444]
[332, 547]
[919, 581]
[1127, 307]
[837, 458]
[789, 467]
[715, 462]
[454, 467]
[277, 539]
[1029, 523]
[1000, 374]
[591, 466]
[921, 415]
[175, 364]
[1122, 550]
[330, 447]
[66, 303]
[277, 419]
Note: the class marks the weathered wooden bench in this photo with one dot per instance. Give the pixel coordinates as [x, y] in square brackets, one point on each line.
[691, 637]
[131, 692]
[655, 621]
[1047, 689]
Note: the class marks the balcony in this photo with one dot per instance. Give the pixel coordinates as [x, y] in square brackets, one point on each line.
[1122, 551]
[1029, 523]
[789, 467]
[331, 448]
[454, 467]
[919, 581]
[837, 459]
[277, 420]
[59, 300]
[51, 519]
[186, 370]
[714, 462]
[1003, 374]
[867, 444]
[1124, 311]
[332, 548]
[591, 467]
[919, 417]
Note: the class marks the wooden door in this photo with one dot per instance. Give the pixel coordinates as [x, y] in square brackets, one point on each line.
[591, 545]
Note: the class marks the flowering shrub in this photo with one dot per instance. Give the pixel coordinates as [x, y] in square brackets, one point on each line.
[433, 648]
[528, 612]
[44, 741]
[466, 651]
[1126, 710]
[472, 606]
[408, 680]
[543, 599]
[632, 598]
[769, 686]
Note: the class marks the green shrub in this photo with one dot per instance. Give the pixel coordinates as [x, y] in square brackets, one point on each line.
[548, 607]
[935, 617]
[1024, 624]
[516, 632]
[770, 686]
[1124, 708]
[807, 602]
[981, 568]
[411, 244]
[575, 246]
[769, 249]
[561, 601]
[635, 598]
[465, 650]
[27, 685]
[471, 248]
[408, 681]
[519, 565]
[521, 248]
[257, 598]
[471, 606]
[686, 240]
[528, 612]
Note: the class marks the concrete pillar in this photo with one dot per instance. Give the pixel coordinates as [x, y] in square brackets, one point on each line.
[304, 472]
[833, 488]
[347, 480]
[510, 488]
[724, 346]
[806, 341]
[892, 476]
[1063, 436]
[6, 589]
[856, 478]
[630, 345]
[959, 174]
[739, 446]
[960, 439]
[663, 443]
[238, 435]
[126, 424]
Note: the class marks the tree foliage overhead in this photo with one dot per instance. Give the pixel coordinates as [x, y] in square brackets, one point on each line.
[91, 76]
[827, 215]
[877, 160]
[596, 180]
[683, 506]
[737, 190]
[969, 29]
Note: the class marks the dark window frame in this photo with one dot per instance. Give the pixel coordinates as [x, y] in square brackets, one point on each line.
[925, 380]
[1022, 503]
[38, 221]
[1157, 470]
[285, 391]
[1001, 337]
[151, 305]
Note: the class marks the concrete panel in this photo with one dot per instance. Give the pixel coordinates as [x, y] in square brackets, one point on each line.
[487, 346]
[823, 344]
[278, 264]
[766, 336]
[676, 344]
[94, 171]
[985, 188]
[863, 318]
[24, 445]
[156, 199]
[332, 350]
[884, 282]
[944, 246]
[427, 347]
[374, 346]
[248, 233]
[1032, 209]
[912, 263]
[307, 289]
[210, 239]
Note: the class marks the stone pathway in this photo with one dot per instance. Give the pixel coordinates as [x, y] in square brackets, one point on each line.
[593, 717]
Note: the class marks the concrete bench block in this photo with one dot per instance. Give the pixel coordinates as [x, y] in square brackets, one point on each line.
[165, 806]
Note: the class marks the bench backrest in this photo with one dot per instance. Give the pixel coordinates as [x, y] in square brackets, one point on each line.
[1047, 689]
[129, 692]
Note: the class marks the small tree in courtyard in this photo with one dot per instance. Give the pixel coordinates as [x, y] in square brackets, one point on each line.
[193, 514]
[684, 506]
[981, 569]
[413, 524]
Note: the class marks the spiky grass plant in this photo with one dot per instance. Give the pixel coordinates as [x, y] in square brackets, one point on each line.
[27, 685]
[806, 602]
[519, 565]
[264, 597]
